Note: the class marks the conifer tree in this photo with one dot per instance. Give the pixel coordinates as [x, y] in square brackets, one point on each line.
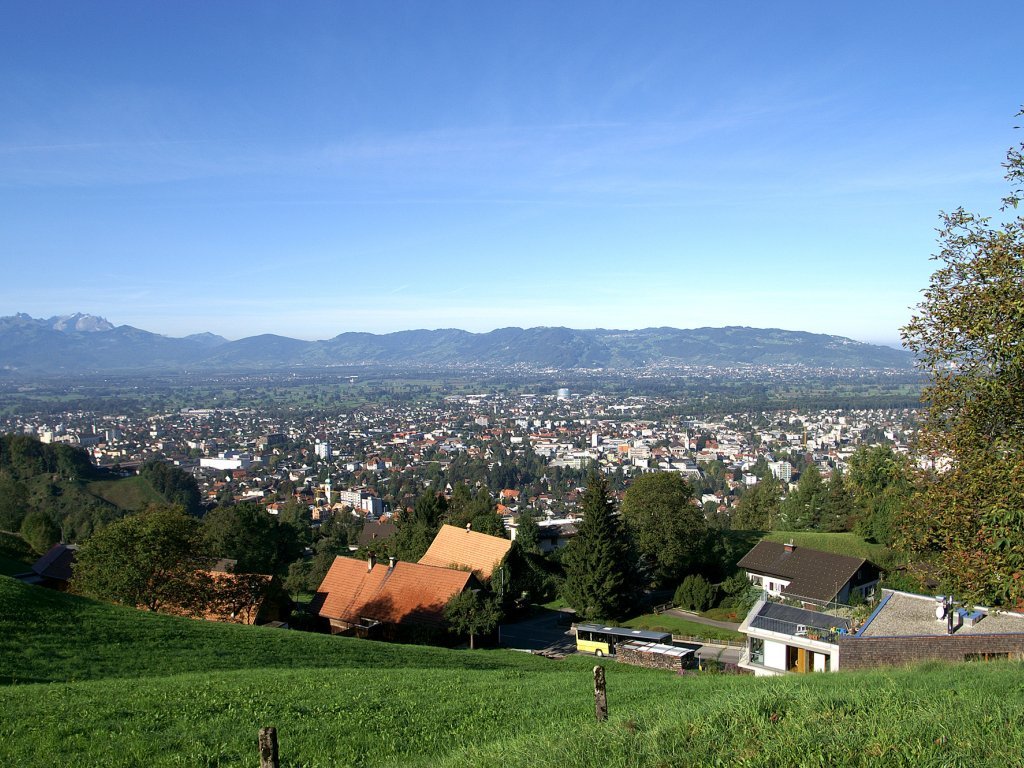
[599, 580]
[803, 508]
[758, 509]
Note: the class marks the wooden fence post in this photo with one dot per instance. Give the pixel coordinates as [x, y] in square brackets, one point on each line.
[600, 695]
[268, 748]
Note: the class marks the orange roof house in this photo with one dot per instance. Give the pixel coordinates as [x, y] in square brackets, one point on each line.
[359, 595]
[465, 549]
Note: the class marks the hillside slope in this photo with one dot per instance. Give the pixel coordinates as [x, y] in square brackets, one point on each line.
[347, 702]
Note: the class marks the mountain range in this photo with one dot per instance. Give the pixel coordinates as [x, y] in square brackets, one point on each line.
[83, 343]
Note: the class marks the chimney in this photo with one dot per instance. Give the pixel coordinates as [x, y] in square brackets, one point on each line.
[371, 561]
[391, 562]
[468, 526]
[789, 546]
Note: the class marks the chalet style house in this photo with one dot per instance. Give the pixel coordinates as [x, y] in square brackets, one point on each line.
[53, 569]
[799, 572]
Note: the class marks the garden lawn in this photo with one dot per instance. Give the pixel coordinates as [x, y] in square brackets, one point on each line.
[661, 622]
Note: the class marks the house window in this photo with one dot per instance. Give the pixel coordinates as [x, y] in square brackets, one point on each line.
[756, 650]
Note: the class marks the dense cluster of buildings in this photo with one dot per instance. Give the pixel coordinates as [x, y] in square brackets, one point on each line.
[379, 457]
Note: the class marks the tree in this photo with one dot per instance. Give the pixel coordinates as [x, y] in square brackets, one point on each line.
[249, 534]
[174, 484]
[881, 484]
[417, 529]
[13, 502]
[968, 336]
[599, 579]
[478, 511]
[471, 613]
[758, 507]
[298, 517]
[149, 560]
[39, 530]
[528, 532]
[668, 531]
[838, 507]
[804, 507]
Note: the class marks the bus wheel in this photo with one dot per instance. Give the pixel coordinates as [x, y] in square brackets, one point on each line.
[599, 653]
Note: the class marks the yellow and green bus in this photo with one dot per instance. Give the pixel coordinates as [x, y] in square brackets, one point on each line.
[601, 641]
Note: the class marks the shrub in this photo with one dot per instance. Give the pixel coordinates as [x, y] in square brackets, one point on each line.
[39, 530]
[695, 593]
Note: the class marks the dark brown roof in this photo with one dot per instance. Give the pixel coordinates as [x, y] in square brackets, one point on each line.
[376, 531]
[56, 563]
[811, 573]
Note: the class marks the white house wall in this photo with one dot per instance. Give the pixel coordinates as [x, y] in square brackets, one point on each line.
[775, 655]
[773, 585]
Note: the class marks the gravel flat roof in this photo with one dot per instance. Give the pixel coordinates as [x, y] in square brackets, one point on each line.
[905, 615]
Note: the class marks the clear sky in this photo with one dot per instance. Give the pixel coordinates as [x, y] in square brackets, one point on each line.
[311, 168]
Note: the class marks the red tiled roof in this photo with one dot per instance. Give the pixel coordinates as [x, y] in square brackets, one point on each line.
[407, 593]
[460, 548]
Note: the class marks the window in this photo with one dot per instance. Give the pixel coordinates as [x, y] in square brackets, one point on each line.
[756, 650]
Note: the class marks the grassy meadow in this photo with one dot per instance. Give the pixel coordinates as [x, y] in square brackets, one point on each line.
[129, 493]
[16, 556]
[839, 543]
[83, 683]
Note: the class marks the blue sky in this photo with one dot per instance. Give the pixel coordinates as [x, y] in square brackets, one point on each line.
[313, 168]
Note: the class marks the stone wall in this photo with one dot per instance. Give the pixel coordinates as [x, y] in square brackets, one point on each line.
[869, 652]
[650, 660]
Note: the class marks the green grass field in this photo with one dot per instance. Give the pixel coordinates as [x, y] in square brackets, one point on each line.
[16, 556]
[98, 685]
[665, 623]
[131, 493]
[839, 543]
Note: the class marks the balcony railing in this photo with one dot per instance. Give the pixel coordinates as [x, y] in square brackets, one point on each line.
[795, 629]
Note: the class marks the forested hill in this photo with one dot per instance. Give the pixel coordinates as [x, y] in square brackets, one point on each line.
[50, 492]
[84, 343]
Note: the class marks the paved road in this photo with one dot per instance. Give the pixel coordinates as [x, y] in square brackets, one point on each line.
[549, 631]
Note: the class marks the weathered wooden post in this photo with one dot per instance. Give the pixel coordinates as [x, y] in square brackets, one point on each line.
[268, 748]
[600, 695]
